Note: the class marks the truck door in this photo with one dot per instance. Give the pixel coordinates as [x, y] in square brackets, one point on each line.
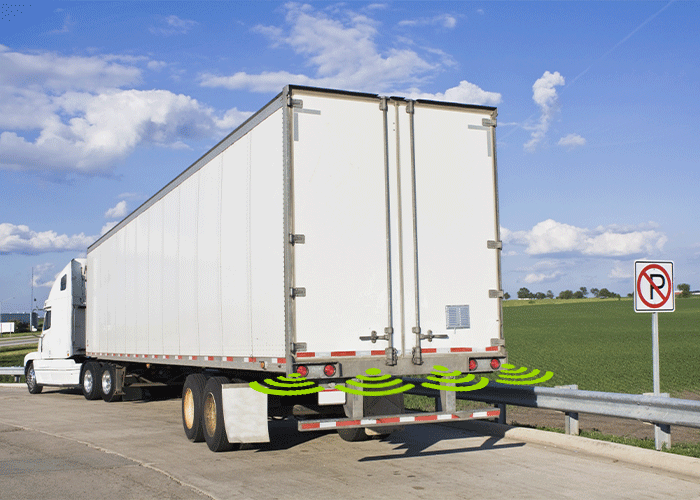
[342, 282]
[453, 274]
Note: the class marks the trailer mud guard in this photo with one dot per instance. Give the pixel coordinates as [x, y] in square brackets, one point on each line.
[245, 414]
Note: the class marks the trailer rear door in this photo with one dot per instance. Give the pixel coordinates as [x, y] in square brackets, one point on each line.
[397, 204]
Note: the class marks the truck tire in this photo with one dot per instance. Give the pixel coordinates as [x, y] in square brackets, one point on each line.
[192, 396]
[213, 416]
[89, 377]
[353, 435]
[108, 383]
[30, 377]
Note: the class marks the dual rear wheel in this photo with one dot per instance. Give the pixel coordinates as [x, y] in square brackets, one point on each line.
[203, 413]
[99, 381]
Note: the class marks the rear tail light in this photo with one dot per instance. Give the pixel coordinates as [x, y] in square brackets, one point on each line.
[302, 370]
[495, 363]
[329, 370]
[472, 365]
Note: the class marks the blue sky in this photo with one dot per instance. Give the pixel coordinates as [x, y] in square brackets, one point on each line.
[102, 104]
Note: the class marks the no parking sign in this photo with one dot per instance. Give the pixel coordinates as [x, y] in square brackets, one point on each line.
[653, 290]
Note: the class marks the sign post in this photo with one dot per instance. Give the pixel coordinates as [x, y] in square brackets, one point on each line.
[653, 292]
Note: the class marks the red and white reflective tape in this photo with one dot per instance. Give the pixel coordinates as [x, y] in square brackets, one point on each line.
[406, 419]
[227, 359]
[344, 354]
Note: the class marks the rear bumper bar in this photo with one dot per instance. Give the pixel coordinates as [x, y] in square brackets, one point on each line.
[396, 420]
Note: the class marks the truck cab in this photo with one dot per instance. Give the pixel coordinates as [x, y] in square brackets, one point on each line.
[61, 349]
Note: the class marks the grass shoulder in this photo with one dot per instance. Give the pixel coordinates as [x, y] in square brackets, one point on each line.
[559, 302]
[13, 356]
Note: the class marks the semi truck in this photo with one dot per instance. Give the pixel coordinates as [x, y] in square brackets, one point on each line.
[333, 245]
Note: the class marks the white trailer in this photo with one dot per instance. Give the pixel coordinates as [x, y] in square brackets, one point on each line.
[332, 235]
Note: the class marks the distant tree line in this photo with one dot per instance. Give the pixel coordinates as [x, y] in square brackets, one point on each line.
[582, 293]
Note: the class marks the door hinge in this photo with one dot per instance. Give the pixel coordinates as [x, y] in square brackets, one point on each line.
[487, 122]
[417, 356]
[494, 245]
[294, 103]
[298, 347]
[297, 239]
[495, 294]
[298, 292]
[392, 356]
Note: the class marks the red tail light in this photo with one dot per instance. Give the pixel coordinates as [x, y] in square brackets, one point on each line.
[472, 365]
[329, 370]
[495, 363]
[302, 370]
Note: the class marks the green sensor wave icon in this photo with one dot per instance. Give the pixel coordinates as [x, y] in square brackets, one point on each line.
[293, 385]
[448, 380]
[512, 376]
[373, 383]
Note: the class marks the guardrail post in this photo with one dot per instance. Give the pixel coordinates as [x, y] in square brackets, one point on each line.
[662, 432]
[502, 415]
[571, 423]
[17, 378]
[571, 426]
[446, 401]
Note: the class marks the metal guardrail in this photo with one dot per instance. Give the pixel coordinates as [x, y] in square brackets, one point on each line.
[659, 410]
[15, 371]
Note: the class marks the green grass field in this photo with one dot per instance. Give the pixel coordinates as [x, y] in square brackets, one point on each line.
[13, 356]
[603, 345]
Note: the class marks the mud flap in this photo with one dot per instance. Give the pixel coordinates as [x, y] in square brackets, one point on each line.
[245, 414]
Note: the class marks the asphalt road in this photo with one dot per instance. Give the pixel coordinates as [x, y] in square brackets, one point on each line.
[7, 341]
[58, 445]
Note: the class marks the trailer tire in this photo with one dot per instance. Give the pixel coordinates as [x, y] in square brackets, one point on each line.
[108, 383]
[192, 397]
[213, 416]
[30, 377]
[89, 377]
[353, 435]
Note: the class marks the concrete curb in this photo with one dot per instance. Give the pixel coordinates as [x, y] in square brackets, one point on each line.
[668, 462]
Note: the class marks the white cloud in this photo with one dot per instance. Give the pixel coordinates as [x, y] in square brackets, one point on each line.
[544, 93]
[572, 141]
[38, 277]
[118, 211]
[173, 25]
[621, 270]
[342, 52]
[465, 92]
[444, 20]
[48, 70]
[22, 240]
[541, 277]
[107, 227]
[88, 133]
[68, 24]
[552, 237]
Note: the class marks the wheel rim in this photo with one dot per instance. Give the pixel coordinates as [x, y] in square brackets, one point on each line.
[209, 411]
[106, 382]
[188, 408]
[87, 381]
[31, 377]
